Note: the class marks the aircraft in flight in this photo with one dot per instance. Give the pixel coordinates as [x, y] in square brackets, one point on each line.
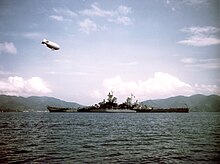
[53, 46]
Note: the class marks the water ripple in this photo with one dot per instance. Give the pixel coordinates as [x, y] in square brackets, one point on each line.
[109, 138]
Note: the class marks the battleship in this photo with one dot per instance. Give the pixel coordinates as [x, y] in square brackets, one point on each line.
[110, 105]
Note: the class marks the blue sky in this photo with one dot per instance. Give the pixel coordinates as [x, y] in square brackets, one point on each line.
[153, 49]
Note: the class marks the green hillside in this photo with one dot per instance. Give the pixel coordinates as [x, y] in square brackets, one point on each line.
[34, 103]
[196, 103]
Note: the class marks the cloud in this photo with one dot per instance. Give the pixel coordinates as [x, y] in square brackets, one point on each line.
[8, 47]
[161, 85]
[121, 20]
[3, 73]
[60, 18]
[186, 2]
[200, 41]
[207, 89]
[119, 15]
[57, 17]
[65, 12]
[200, 36]
[194, 2]
[201, 63]
[87, 26]
[175, 5]
[96, 11]
[16, 85]
[124, 10]
[200, 30]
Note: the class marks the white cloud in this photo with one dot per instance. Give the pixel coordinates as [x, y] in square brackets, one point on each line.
[57, 17]
[201, 63]
[96, 11]
[5, 73]
[119, 15]
[87, 26]
[175, 5]
[8, 47]
[16, 82]
[20, 87]
[200, 36]
[161, 85]
[200, 30]
[124, 10]
[194, 2]
[65, 12]
[36, 85]
[207, 89]
[200, 41]
[121, 20]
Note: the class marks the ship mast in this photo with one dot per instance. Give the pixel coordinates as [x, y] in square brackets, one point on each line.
[111, 98]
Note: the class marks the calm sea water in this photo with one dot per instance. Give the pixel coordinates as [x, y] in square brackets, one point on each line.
[109, 138]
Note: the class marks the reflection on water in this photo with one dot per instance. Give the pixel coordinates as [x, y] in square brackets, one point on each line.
[110, 137]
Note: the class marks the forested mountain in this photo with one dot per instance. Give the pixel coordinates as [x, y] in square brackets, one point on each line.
[196, 103]
[33, 103]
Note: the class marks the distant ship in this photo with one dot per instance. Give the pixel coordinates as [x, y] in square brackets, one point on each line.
[58, 109]
[110, 106]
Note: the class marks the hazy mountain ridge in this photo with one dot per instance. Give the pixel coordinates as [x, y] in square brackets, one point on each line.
[196, 103]
[33, 103]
